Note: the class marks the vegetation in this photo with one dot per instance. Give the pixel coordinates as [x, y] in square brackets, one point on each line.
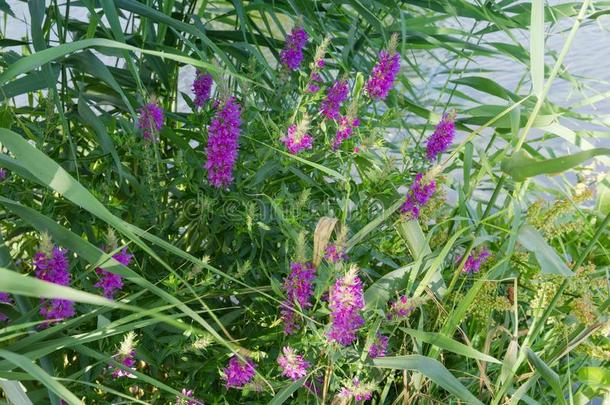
[339, 206]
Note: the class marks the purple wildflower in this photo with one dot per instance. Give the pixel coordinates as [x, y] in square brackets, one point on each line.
[334, 253]
[418, 196]
[346, 127]
[237, 373]
[357, 391]
[202, 87]
[312, 86]
[383, 75]
[336, 95]
[223, 144]
[474, 261]
[400, 308]
[129, 361]
[126, 356]
[442, 137]
[293, 365]
[110, 282]
[295, 141]
[346, 300]
[5, 298]
[379, 346]
[3, 174]
[51, 265]
[180, 400]
[292, 54]
[299, 289]
[150, 121]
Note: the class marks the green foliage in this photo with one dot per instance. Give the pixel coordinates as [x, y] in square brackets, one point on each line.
[206, 280]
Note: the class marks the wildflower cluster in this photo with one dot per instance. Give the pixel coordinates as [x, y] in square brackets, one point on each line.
[223, 136]
[346, 303]
[51, 265]
[299, 290]
[238, 373]
[474, 261]
[151, 121]
[293, 365]
[418, 196]
[292, 54]
[202, 87]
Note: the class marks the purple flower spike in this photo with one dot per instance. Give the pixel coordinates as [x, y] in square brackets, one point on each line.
[3, 174]
[237, 373]
[379, 346]
[223, 136]
[441, 139]
[110, 282]
[293, 365]
[346, 302]
[5, 298]
[400, 308]
[292, 54]
[346, 127]
[52, 265]
[295, 141]
[202, 87]
[299, 289]
[383, 75]
[334, 253]
[418, 196]
[335, 97]
[150, 121]
[475, 261]
[191, 401]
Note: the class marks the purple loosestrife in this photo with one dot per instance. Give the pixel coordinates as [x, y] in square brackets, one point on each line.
[346, 127]
[418, 196]
[3, 174]
[384, 73]
[400, 308]
[202, 87]
[297, 139]
[441, 139]
[180, 400]
[474, 261]
[150, 121]
[379, 346]
[299, 289]
[126, 356]
[110, 282]
[334, 253]
[346, 302]
[293, 365]
[237, 373]
[223, 137]
[5, 298]
[292, 54]
[334, 98]
[357, 391]
[51, 265]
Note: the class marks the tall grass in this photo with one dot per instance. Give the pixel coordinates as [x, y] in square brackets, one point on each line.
[521, 180]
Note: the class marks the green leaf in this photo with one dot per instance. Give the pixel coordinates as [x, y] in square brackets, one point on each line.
[520, 165]
[38, 59]
[549, 261]
[40, 375]
[596, 377]
[547, 374]
[15, 283]
[432, 369]
[537, 46]
[446, 343]
[286, 392]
